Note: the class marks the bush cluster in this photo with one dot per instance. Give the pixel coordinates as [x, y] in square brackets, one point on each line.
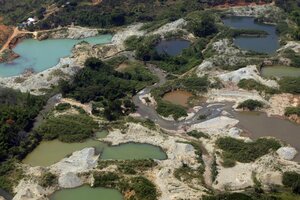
[243, 152]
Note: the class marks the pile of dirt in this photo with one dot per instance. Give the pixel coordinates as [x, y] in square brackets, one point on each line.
[5, 33]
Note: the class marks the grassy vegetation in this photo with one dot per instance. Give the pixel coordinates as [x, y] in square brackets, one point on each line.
[142, 188]
[251, 84]
[10, 174]
[68, 128]
[292, 180]
[243, 152]
[197, 134]
[62, 107]
[166, 109]
[252, 196]
[129, 166]
[292, 111]
[251, 104]
[187, 174]
[290, 85]
[48, 179]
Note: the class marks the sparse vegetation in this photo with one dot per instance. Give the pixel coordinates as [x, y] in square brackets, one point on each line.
[48, 179]
[292, 111]
[197, 134]
[251, 84]
[166, 109]
[62, 107]
[238, 150]
[290, 85]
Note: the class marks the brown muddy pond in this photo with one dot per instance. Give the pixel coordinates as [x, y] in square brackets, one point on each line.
[258, 124]
[178, 97]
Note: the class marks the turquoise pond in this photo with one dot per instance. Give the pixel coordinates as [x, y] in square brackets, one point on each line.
[41, 55]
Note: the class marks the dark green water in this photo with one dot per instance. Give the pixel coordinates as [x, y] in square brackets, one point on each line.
[172, 47]
[268, 44]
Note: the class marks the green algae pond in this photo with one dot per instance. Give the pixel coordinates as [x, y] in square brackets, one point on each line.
[88, 193]
[50, 152]
[280, 71]
[42, 55]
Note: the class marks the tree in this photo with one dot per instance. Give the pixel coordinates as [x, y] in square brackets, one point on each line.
[204, 27]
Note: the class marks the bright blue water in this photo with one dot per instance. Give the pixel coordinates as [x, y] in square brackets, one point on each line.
[268, 44]
[41, 55]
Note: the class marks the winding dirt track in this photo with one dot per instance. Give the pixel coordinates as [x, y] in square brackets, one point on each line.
[15, 34]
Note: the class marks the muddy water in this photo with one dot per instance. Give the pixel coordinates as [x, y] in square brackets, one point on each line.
[260, 125]
[172, 47]
[178, 97]
[86, 192]
[280, 71]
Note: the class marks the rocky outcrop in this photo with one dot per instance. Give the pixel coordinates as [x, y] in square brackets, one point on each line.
[119, 38]
[293, 45]
[79, 161]
[171, 27]
[28, 190]
[43, 80]
[70, 32]
[249, 72]
[287, 153]
[270, 12]
[69, 180]
[217, 125]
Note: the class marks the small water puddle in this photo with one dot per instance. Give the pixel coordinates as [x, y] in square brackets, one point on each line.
[178, 97]
[172, 47]
[86, 192]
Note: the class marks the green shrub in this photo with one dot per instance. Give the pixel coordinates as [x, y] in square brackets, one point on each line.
[166, 109]
[292, 111]
[251, 84]
[109, 179]
[197, 134]
[63, 106]
[227, 162]
[250, 104]
[203, 26]
[186, 174]
[48, 180]
[68, 128]
[233, 196]
[290, 85]
[143, 188]
[246, 152]
[292, 180]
